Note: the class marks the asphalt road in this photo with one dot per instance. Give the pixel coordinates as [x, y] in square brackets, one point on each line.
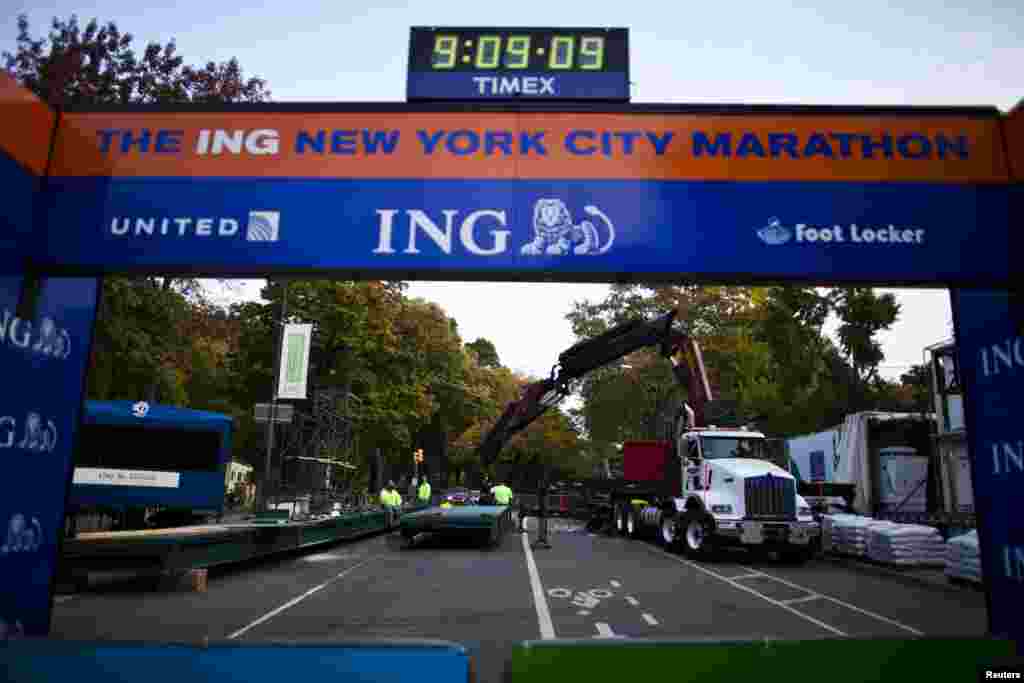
[489, 599]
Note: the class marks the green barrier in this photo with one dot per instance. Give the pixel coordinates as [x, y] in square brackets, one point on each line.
[271, 517]
[479, 517]
[488, 522]
[834, 660]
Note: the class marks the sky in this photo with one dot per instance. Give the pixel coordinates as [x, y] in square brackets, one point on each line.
[869, 52]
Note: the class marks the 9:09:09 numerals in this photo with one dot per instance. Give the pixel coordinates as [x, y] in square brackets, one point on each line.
[561, 52]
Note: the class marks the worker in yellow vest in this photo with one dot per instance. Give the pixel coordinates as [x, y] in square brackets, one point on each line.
[386, 497]
[423, 494]
[502, 494]
[392, 502]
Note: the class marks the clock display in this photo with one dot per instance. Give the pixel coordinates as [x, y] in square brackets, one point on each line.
[560, 53]
[519, 63]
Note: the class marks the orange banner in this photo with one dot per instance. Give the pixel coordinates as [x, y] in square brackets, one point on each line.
[1013, 129]
[488, 145]
[27, 125]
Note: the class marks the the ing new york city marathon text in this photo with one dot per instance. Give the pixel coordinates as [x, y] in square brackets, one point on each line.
[577, 142]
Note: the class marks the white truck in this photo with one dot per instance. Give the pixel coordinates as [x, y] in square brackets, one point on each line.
[705, 487]
[725, 494]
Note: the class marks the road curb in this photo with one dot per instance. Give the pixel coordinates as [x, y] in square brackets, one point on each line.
[935, 583]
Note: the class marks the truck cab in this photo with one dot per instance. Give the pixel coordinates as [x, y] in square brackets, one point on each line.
[731, 493]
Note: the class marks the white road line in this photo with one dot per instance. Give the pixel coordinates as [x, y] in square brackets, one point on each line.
[547, 628]
[746, 576]
[649, 619]
[740, 586]
[615, 584]
[631, 600]
[604, 631]
[847, 605]
[806, 598]
[294, 601]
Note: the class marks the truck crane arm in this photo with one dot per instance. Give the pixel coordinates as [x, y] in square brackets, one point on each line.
[590, 354]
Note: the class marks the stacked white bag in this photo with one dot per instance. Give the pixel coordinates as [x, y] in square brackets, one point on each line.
[905, 544]
[883, 541]
[963, 557]
[831, 531]
[845, 534]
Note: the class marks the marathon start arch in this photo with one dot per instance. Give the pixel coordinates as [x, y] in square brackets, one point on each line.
[526, 192]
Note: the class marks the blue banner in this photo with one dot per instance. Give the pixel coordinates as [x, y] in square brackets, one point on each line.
[20, 195]
[476, 85]
[877, 233]
[373, 661]
[990, 348]
[43, 363]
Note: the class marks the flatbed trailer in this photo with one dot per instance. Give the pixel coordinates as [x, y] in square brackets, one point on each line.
[488, 523]
[205, 546]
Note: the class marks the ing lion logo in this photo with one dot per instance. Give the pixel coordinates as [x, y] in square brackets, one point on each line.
[37, 437]
[22, 537]
[52, 340]
[13, 631]
[555, 232]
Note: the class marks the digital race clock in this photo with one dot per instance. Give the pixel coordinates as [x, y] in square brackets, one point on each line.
[519, 64]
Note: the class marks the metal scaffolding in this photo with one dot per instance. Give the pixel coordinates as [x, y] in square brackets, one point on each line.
[328, 436]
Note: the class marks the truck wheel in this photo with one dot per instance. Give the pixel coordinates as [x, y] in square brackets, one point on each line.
[696, 535]
[668, 535]
[632, 526]
[620, 520]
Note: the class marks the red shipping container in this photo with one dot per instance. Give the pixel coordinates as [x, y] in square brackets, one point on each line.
[645, 460]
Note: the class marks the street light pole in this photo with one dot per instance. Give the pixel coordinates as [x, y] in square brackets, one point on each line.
[273, 391]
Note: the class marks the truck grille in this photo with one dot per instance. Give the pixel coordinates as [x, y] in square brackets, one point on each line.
[770, 497]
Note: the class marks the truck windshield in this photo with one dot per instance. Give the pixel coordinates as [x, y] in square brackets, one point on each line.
[725, 447]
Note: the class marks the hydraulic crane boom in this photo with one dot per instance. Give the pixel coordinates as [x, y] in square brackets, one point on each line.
[588, 355]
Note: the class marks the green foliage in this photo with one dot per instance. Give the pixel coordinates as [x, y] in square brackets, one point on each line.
[417, 384]
[485, 352]
[918, 384]
[98, 64]
[763, 349]
[863, 314]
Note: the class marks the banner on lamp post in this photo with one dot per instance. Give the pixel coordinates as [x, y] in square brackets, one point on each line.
[294, 361]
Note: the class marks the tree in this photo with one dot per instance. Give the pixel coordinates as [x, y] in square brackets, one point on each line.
[639, 403]
[418, 386]
[912, 394]
[764, 350]
[792, 359]
[136, 335]
[918, 382]
[97, 64]
[485, 352]
[357, 347]
[863, 314]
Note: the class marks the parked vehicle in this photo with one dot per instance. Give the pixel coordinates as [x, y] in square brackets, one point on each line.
[458, 496]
